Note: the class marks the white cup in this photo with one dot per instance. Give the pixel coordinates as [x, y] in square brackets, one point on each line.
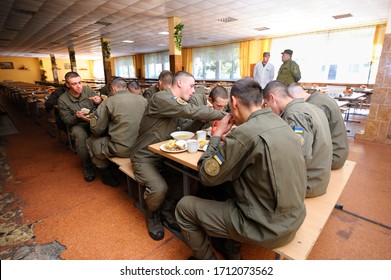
[201, 134]
[192, 146]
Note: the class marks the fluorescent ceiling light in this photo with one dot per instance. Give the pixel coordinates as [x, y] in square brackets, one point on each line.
[164, 33]
[128, 41]
[342, 16]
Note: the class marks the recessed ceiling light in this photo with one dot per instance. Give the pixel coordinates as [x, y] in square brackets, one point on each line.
[128, 41]
[162, 45]
[342, 16]
[164, 33]
[227, 19]
[102, 23]
[262, 28]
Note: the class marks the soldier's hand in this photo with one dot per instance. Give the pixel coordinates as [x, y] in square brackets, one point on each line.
[224, 125]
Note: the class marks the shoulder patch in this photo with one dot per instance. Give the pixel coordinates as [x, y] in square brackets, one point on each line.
[93, 121]
[211, 167]
[181, 101]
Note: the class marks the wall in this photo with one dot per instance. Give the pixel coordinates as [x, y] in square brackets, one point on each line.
[85, 68]
[378, 126]
[33, 72]
[29, 75]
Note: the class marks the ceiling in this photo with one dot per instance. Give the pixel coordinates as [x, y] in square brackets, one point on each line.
[37, 28]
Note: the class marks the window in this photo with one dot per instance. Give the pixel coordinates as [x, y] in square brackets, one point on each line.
[334, 56]
[216, 63]
[156, 63]
[99, 73]
[124, 67]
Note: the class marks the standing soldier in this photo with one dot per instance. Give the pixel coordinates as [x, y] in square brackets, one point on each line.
[289, 71]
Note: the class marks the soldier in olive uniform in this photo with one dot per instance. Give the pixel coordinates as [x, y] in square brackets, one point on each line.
[164, 82]
[311, 126]
[339, 136]
[159, 120]
[262, 159]
[70, 104]
[115, 126]
[289, 70]
[199, 98]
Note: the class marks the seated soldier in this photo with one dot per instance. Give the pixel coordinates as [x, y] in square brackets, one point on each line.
[134, 87]
[114, 128]
[70, 105]
[164, 82]
[261, 210]
[311, 127]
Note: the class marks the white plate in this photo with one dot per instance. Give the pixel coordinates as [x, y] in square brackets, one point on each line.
[163, 148]
[204, 148]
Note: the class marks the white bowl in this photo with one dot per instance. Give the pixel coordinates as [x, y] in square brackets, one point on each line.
[182, 135]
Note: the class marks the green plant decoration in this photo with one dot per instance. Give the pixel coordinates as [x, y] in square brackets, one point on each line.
[53, 60]
[40, 63]
[106, 49]
[178, 35]
[72, 56]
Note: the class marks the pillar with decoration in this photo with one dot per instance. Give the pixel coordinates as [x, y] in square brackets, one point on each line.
[175, 27]
[54, 68]
[105, 43]
[72, 58]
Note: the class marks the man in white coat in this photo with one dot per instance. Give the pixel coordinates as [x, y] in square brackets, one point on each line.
[264, 71]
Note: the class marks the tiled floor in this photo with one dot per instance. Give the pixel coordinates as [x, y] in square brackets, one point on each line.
[52, 202]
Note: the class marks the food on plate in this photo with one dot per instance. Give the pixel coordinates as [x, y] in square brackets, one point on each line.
[181, 144]
[85, 111]
[315, 86]
[202, 143]
[173, 145]
[182, 135]
[348, 91]
[363, 86]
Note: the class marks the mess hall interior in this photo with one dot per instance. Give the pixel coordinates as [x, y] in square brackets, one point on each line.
[48, 211]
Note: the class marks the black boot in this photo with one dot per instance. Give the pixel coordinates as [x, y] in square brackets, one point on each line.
[168, 214]
[108, 178]
[89, 172]
[229, 248]
[155, 227]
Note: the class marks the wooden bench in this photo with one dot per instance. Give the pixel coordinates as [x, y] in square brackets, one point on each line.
[318, 211]
[126, 167]
[133, 184]
[119, 160]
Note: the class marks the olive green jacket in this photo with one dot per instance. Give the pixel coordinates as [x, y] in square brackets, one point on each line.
[160, 120]
[68, 105]
[339, 136]
[119, 116]
[262, 158]
[289, 72]
[312, 127]
[150, 92]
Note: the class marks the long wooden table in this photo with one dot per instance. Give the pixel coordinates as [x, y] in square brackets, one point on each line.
[187, 160]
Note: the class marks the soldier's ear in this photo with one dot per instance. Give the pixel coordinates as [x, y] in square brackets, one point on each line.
[234, 102]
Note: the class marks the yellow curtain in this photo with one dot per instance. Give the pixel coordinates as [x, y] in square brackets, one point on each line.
[187, 60]
[138, 61]
[250, 53]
